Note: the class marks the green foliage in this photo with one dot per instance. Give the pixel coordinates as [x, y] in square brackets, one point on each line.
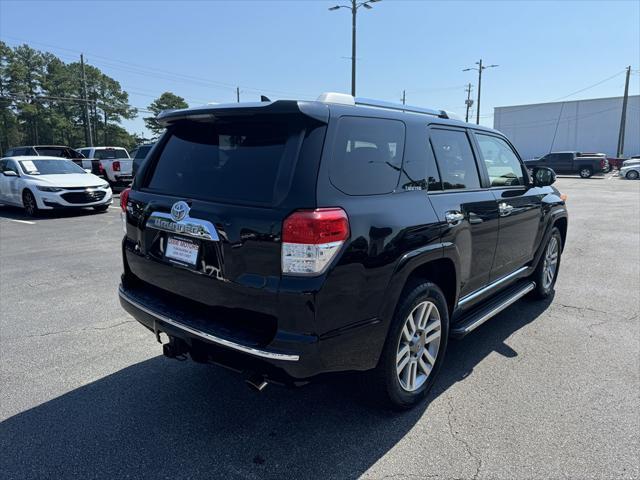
[166, 101]
[41, 102]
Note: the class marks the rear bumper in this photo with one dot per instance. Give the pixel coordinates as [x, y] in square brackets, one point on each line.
[289, 356]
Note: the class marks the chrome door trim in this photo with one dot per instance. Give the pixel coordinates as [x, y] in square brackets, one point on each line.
[209, 337]
[491, 286]
[498, 308]
[191, 227]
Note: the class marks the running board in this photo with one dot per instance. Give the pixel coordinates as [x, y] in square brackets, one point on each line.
[478, 317]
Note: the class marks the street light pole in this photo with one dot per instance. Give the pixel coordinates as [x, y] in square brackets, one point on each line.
[479, 68]
[355, 5]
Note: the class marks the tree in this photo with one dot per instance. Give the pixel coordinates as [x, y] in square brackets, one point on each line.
[166, 101]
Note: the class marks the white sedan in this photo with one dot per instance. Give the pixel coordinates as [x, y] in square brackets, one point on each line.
[47, 183]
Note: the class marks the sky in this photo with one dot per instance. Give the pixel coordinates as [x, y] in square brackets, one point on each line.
[203, 50]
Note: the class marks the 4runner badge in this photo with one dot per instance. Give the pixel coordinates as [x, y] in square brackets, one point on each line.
[179, 211]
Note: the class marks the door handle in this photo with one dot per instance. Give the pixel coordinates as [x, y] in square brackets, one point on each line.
[454, 217]
[505, 209]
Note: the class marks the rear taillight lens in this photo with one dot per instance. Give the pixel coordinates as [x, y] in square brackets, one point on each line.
[124, 198]
[116, 166]
[311, 239]
[100, 169]
[603, 163]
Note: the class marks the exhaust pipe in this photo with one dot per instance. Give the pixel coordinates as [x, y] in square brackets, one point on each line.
[256, 382]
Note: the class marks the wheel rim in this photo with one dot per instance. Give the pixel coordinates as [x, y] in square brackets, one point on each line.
[585, 173]
[632, 175]
[550, 262]
[29, 203]
[418, 346]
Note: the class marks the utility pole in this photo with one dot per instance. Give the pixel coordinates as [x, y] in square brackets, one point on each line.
[87, 125]
[479, 68]
[468, 102]
[623, 118]
[354, 11]
[404, 97]
[238, 94]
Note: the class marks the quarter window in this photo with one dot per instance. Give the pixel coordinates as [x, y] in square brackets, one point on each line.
[455, 159]
[503, 166]
[367, 155]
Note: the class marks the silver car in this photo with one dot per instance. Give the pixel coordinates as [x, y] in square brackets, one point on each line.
[630, 169]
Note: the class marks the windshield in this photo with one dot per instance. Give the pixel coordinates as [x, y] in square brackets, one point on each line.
[110, 153]
[58, 152]
[49, 167]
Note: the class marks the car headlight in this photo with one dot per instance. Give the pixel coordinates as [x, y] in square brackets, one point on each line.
[49, 189]
[104, 185]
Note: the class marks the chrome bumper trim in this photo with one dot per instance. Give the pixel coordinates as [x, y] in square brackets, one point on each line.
[208, 337]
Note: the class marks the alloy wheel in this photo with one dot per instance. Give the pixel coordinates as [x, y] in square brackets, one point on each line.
[418, 346]
[29, 203]
[550, 262]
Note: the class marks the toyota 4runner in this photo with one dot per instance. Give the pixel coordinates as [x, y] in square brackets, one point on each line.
[287, 239]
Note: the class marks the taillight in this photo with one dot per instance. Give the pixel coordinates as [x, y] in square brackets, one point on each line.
[124, 198]
[100, 169]
[116, 166]
[311, 239]
[602, 163]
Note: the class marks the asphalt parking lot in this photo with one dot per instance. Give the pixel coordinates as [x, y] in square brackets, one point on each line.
[543, 390]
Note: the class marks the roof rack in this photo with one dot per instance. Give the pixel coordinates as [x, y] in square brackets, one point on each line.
[368, 102]
[345, 99]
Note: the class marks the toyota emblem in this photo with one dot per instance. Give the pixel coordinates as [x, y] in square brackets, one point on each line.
[179, 211]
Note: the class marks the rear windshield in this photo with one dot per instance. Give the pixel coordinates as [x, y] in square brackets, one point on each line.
[58, 152]
[141, 153]
[110, 153]
[238, 161]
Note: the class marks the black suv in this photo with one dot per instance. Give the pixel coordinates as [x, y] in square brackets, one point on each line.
[287, 239]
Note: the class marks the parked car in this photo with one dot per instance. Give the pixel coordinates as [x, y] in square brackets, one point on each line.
[139, 154]
[113, 163]
[571, 163]
[38, 183]
[630, 171]
[631, 161]
[288, 239]
[44, 150]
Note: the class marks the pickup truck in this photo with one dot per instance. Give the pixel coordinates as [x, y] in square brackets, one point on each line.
[584, 165]
[112, 163]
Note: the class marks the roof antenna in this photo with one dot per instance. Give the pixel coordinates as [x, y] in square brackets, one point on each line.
[264, 98]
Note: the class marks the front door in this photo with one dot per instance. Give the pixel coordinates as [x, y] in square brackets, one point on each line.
[468, 211]
[519, 205]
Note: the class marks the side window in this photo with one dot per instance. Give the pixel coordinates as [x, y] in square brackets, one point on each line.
[367, 155]
[455, 159]
[3, 165]
[11, 165]
[503, 166]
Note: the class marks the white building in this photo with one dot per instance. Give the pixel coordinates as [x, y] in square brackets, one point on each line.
[581, 125]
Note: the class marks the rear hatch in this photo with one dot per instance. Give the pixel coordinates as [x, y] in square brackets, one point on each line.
[204, 217]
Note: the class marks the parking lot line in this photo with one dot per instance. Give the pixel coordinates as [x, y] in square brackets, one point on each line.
[21, 221]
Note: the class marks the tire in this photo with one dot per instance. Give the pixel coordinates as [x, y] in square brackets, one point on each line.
[393, 388]
[101, 208]
[632, 175]
[546, 272]
[29, 203]
[585, 172]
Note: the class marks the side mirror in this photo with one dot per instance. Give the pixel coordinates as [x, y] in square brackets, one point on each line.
[543, 176]
[9, 173]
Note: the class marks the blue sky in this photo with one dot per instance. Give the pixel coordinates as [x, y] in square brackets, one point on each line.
[296, 49]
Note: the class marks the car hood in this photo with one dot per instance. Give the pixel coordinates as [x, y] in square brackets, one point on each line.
[68, 180]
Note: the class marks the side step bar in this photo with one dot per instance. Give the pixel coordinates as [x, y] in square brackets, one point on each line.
[478, 317]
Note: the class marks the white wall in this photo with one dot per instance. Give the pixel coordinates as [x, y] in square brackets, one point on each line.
[584, 125]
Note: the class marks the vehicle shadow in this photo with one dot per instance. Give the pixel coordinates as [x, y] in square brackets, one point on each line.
[166, 419]
[15, 213]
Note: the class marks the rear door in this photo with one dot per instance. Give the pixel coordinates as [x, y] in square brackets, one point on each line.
[205, 215]
[467, 209]
[519, 205]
